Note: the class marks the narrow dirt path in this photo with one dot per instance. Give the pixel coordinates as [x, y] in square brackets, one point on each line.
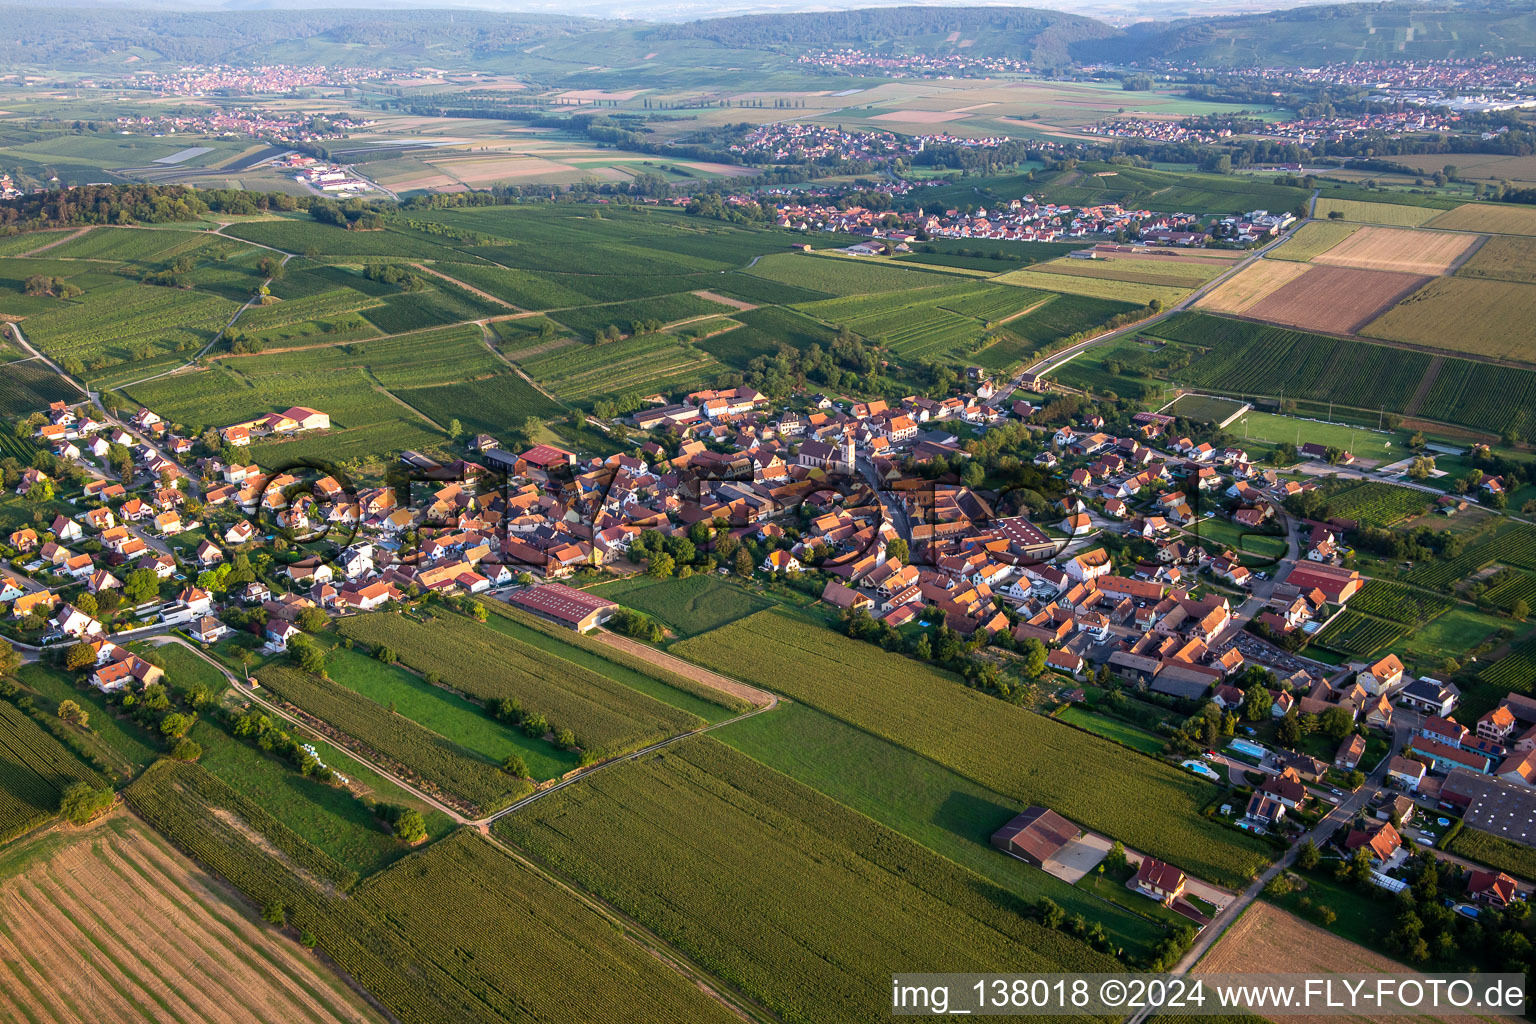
[547, 347]
[687, 669]
[381, 389]
[57, 241]
[487, 296]
[724, 300]
[1023, 312]
[1431, 372]
[259, 698]
[485, 331]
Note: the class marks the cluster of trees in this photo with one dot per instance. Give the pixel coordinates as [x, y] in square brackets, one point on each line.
[130, 204]
[403, 278]
[706, 546]
[848, 362]
[1415, 545]
[258, 728]
[55, 287]
[636, 624]
[175, 275]
[352, 214]
[242, 343]
[533, 725]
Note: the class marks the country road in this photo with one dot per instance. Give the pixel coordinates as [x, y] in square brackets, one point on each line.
[1318, 834]
[459, 818]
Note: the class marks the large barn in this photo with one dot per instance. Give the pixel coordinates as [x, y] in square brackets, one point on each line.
[1036, 836]
[569, 607]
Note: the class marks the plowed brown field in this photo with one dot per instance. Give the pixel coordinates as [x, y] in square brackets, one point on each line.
[1268, 940]
[111, 925]
[1338, 300]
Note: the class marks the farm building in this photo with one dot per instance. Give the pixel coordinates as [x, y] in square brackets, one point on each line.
[1037, 835]
[1338, 585]
[569, 607]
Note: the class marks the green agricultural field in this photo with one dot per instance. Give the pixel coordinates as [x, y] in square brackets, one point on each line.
[664, 309]
[1133, 293]
[185, 669]
[1510, 545]
[1481, 395]
[1112, 729]
[1378, 504]
[1204, 408]
[924, 801]
[19, 245]
[1515, 671]
[1496, 852]
[345, 382]
[1244, 358]
[839, 276]
[300, 234]
[125, 322]
[634, 366]
[1391, 214]
[460, 931]
[1359, 635]
[121, 740]
[1393, 601]
[1168, 191]
[523, 289]
[1457, 630]
[792, 897]
[433, 761]
[1514, 588]
[327, 815]
[444, 713]
[120, 244]
[1017, 753]
[29, 386]
[491, 405]
[591, 652]
[35, 769]
[687, 607]
[1313, 239]
[607, 717]
[763, 332]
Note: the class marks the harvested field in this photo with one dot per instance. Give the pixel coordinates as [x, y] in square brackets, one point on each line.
[1409, 252]
[920, 116]
[111, 924]
[1251, 285]
[1265, 932]
[1489, 217]
[1166, 272]
[1487, 318]
[1338, 300]
[1475, 166]
[1394, 214]
[1313, 239]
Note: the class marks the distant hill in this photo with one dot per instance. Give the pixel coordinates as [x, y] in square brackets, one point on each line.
[1318, 35]
[1021, 32]
[39, 36]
